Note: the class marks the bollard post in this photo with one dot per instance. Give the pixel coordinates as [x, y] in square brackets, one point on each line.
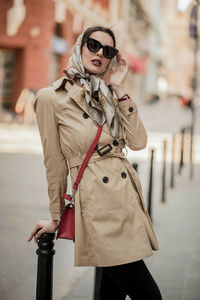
[149, 206]
[172, 162]
[135, 166]
[191, 151]
[163, 196]
[181, 163]
[45, 252]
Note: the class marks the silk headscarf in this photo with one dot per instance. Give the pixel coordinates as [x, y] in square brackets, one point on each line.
[103, 110]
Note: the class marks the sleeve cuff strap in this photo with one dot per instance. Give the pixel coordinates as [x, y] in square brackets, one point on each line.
[123, 98]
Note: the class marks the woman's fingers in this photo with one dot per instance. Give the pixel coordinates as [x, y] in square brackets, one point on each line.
[39, 233]
[42, 227]
[121, 59]
[33, 232]
[112, 70]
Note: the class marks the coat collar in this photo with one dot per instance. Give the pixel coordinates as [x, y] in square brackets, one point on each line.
[76, 93]
[73, 90]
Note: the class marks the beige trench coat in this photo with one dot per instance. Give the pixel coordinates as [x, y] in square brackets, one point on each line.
[112, 225]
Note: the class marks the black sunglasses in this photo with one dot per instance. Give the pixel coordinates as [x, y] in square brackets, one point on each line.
[94, 46]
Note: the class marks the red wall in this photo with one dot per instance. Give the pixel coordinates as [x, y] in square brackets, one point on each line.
[104, 3]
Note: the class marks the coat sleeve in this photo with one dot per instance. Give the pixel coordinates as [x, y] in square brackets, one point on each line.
[54, 161]
[133, 131]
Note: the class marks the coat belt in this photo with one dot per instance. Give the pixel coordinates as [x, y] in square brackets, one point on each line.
[77, 161]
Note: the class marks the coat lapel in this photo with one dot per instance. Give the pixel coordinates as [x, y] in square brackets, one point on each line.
[77, 94]
[73, 90]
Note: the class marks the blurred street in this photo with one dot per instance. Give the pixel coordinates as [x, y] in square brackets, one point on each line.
[24, 200]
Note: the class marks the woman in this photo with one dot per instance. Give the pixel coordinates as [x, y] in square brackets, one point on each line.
[112, 227]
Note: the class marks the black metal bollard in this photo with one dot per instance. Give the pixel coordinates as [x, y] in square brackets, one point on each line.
[135, 166]
[191, 151]
[149, 206]
[163, 196]
[45, 252]
[181, 163]
[172, 162]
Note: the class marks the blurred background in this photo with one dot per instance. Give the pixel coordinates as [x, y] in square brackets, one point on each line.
[160, 40]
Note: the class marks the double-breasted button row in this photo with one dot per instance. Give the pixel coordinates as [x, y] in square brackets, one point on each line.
[130, 109]
[85, 115]
[115, 143]
[123, 174]
[105, 178]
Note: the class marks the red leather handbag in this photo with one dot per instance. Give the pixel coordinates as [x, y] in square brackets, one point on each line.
[66, 228]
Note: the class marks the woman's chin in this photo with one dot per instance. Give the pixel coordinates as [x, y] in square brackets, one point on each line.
[95, 70]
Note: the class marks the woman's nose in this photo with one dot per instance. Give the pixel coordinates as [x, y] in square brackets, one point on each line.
[100, 52]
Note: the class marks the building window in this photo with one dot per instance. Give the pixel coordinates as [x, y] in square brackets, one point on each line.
[58, 48]
[58, 31]
[7, 62]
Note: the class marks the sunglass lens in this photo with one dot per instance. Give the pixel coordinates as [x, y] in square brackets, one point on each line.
[93, 45]
[109, 52]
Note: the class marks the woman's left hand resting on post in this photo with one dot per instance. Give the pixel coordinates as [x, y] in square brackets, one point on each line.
[42, 227]
[118, 76]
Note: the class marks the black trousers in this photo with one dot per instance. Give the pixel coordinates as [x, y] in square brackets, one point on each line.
[133, 279]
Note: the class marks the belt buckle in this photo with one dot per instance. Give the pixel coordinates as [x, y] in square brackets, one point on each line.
[105, 149]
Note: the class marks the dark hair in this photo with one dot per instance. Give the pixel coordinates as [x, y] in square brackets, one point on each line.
[90, 30]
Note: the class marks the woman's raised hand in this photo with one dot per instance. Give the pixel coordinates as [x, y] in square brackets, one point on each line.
[118, 75]
[42, 227]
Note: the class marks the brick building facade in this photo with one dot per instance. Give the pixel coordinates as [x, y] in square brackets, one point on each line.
[33, 56]
[36, 38]
[179, 59]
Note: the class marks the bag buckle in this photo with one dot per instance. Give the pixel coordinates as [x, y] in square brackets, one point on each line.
[105, 149]
[70, 198]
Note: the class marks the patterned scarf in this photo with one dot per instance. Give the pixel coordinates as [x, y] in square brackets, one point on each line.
[102, 109]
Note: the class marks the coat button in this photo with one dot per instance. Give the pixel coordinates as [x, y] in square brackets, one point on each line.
[123, 174]
[96, 148]
[115, 143]
[85, 116]
[130, 109]
[105, 179]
